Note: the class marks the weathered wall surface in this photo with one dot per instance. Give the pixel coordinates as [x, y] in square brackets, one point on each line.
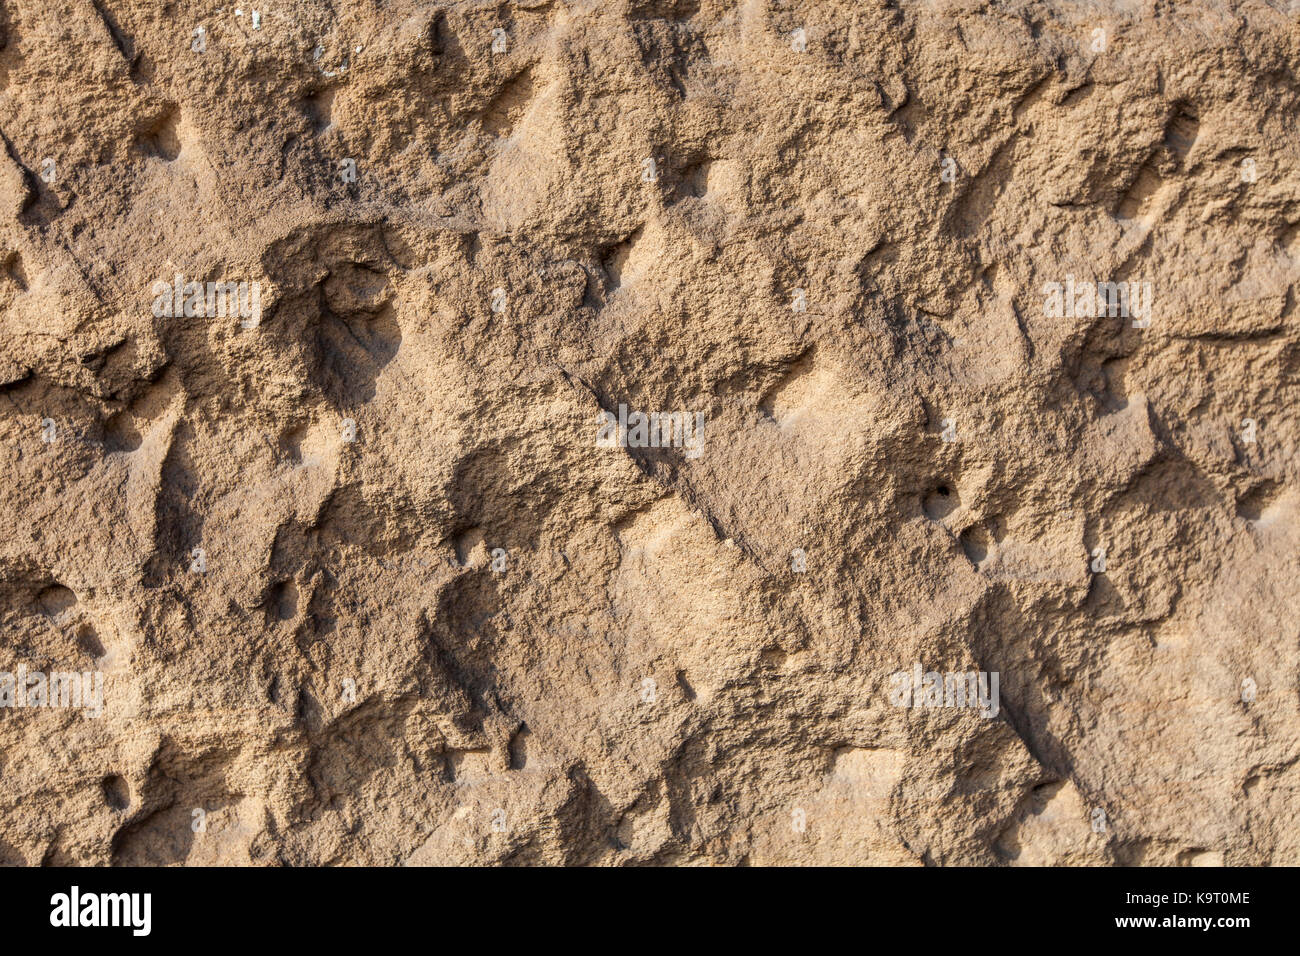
[368, 577]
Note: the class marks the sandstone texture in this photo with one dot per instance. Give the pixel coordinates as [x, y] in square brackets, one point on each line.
[327, 330]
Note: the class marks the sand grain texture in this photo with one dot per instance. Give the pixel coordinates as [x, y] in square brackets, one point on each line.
[363, 585]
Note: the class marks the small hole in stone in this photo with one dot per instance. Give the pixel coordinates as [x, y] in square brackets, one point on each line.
[975, 542]
[116, 792]
[471, 548]
[89, 641]
[519, 749]
[56, 599]
[685, 685]
[1252, 506]
[940, 503]
[284, 600]
[120, 433]
[161, 138]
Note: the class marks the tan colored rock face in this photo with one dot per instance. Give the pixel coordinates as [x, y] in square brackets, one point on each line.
[649, 431]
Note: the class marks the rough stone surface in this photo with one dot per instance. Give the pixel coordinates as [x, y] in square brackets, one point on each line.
[365, 588]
